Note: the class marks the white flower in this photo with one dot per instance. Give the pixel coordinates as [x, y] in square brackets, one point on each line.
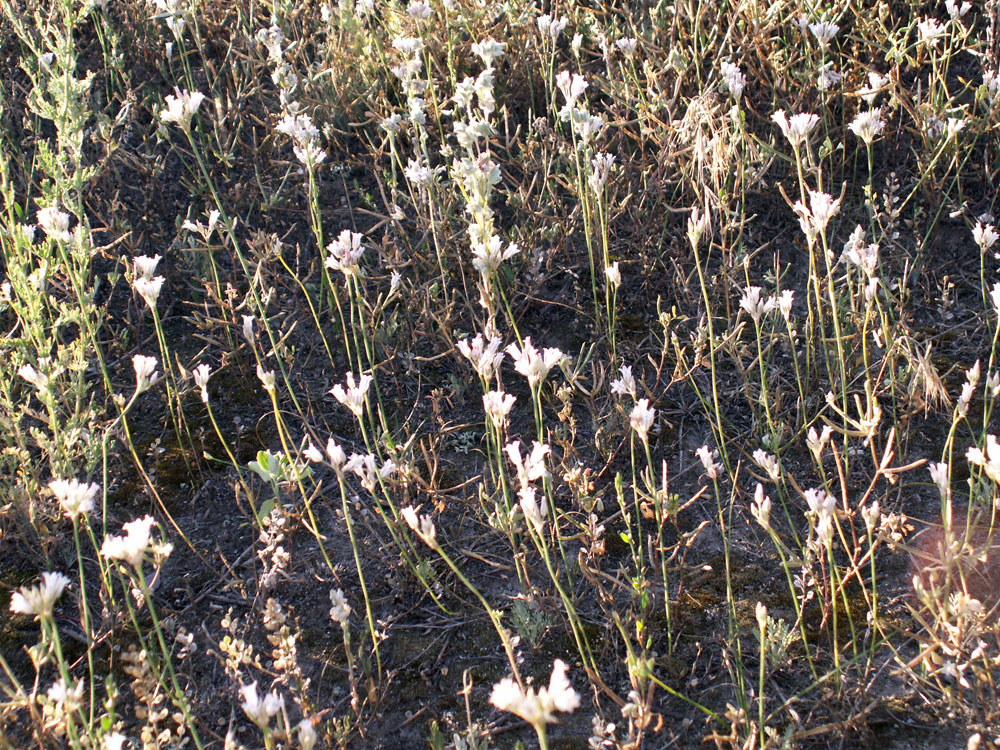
[530, 467]
[785, 300]
[307, 735]
[814, 219]
[613, 276]
[868, 125]
[872, 515]
[247, 328]
[551, 27]
[876, 81]
[266, 378]
[485, 359]
[181, 108]
[364, 467]
[760, 612]
[201, 374]
[75, 498]
[345, 253]
[985, 235]
[54, 222]
[798, 128]
[624, 384]
[572, 85]
[768, 463]
[641, 418]
[148, 289]
[990, 460]
[534, 511]
[260, 711]
[820, 502]
[707, 459]
[760, 509]
[68, 697]
[423, 526]
[627, 45]
[734, 79]
[824, 31]
[930, 31]
[353, 397]
[115, 741]
[335, 454]
[133, 544]
[698, 224]
[145, 372]
[995, 296]
[956, 10]
[39, 600]
[489, 50]
[145, 266]
[537, 709]
[828, 77]
[340, 610]
[497, 405]
[408, 46]
[419, 10]
[272, 38]
[754, 305]
[816, 443]
[487, 256]
[531, 363]
[601, 165]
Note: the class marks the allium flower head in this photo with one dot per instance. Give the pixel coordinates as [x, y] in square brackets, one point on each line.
[487, 256]
[756, 306]
[876, 81]
[707, 459]
[146, 375]
[39, 600]
[341, 610]
[201, 374]
[733, 79]
[134, 544]
[824, 31]
[484, 358]
[144, 266]
[531, 363]
[985, 235]
[537, 709]
[353, 396]
[627, 45]
[489, 50]
[572, 86]
[148, 289]
[76, 498]
[419, 10]
[423, 526]
[181, 108]
[54, 223]
[625, 384]
[797, 129]
[989, 460]
[641, 419]
[530, 467]
[260, 710]
[613, 275]
[930, 31]
[760, 509]
[497, 406]
[345, 253]
[821, 503]
[868, 125]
